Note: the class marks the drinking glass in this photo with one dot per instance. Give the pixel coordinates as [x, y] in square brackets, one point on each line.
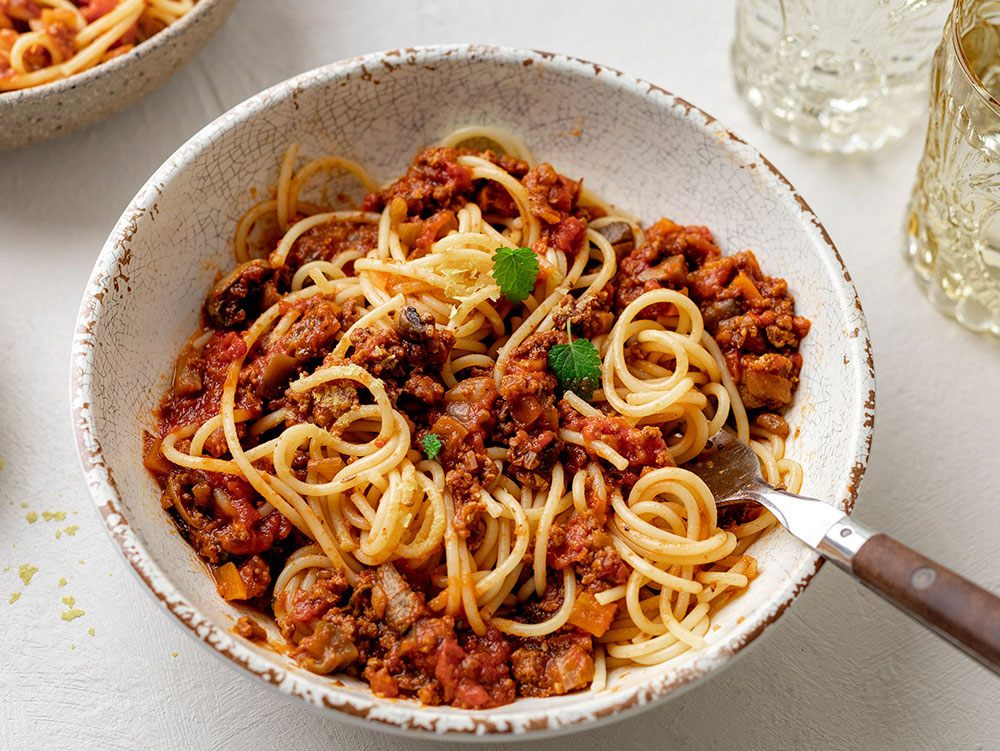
[836, 75]
[953, 225]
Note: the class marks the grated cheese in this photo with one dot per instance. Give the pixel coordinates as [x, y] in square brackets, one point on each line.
[71, 612]
[26, 571]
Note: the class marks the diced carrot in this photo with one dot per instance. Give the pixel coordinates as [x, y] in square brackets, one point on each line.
[590, 615]
[746, 287]
[229, 582]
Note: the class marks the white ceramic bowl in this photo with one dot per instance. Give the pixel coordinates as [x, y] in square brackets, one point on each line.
[54, 109]
[641, 147]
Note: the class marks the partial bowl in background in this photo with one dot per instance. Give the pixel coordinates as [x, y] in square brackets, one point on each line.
[39, 113]
[639, 146]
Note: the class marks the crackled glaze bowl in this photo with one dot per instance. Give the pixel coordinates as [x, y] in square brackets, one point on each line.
[641, 147]
[39, 113]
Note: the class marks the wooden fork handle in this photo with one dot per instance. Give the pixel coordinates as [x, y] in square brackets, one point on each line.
[962, 612]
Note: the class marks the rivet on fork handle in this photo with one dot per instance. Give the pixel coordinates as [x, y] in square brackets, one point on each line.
[843, 541]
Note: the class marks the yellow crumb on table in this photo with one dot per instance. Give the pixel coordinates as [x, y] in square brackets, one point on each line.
[58, 533]
[50, 515]
[72, 611]
[31, 516]
[25, 504]
[14, 597]
[90, 630]
[62, 581]
[71, 529]
[26, 571]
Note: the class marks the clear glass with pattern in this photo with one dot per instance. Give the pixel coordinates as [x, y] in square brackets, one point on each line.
[836, 75]
[953, 225]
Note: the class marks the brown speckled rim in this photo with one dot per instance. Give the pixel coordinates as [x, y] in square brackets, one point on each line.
[394, 715]
[122, 62]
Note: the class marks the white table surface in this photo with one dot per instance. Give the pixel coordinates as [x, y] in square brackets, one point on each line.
[841, 670]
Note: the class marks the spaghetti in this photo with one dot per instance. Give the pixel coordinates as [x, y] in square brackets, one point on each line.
[367, 437]
[44, 40]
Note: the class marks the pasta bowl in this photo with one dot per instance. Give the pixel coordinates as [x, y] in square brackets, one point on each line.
[639, 146]
[38, 113]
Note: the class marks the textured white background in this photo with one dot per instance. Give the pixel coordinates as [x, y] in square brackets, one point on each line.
[841, 670]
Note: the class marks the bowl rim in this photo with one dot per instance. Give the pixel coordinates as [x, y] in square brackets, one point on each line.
[394, 715]
[111, 67]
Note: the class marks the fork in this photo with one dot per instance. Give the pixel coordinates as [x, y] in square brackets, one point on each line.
[964, 613]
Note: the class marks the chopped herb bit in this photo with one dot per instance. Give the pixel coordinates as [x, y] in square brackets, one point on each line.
[515, 270]
[431, 445]
[577, 365]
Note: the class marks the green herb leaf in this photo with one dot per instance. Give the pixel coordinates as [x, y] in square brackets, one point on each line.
[515, 270]
[577, 365]
[431, 445]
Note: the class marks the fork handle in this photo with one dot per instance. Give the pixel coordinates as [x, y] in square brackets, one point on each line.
[962, 612]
